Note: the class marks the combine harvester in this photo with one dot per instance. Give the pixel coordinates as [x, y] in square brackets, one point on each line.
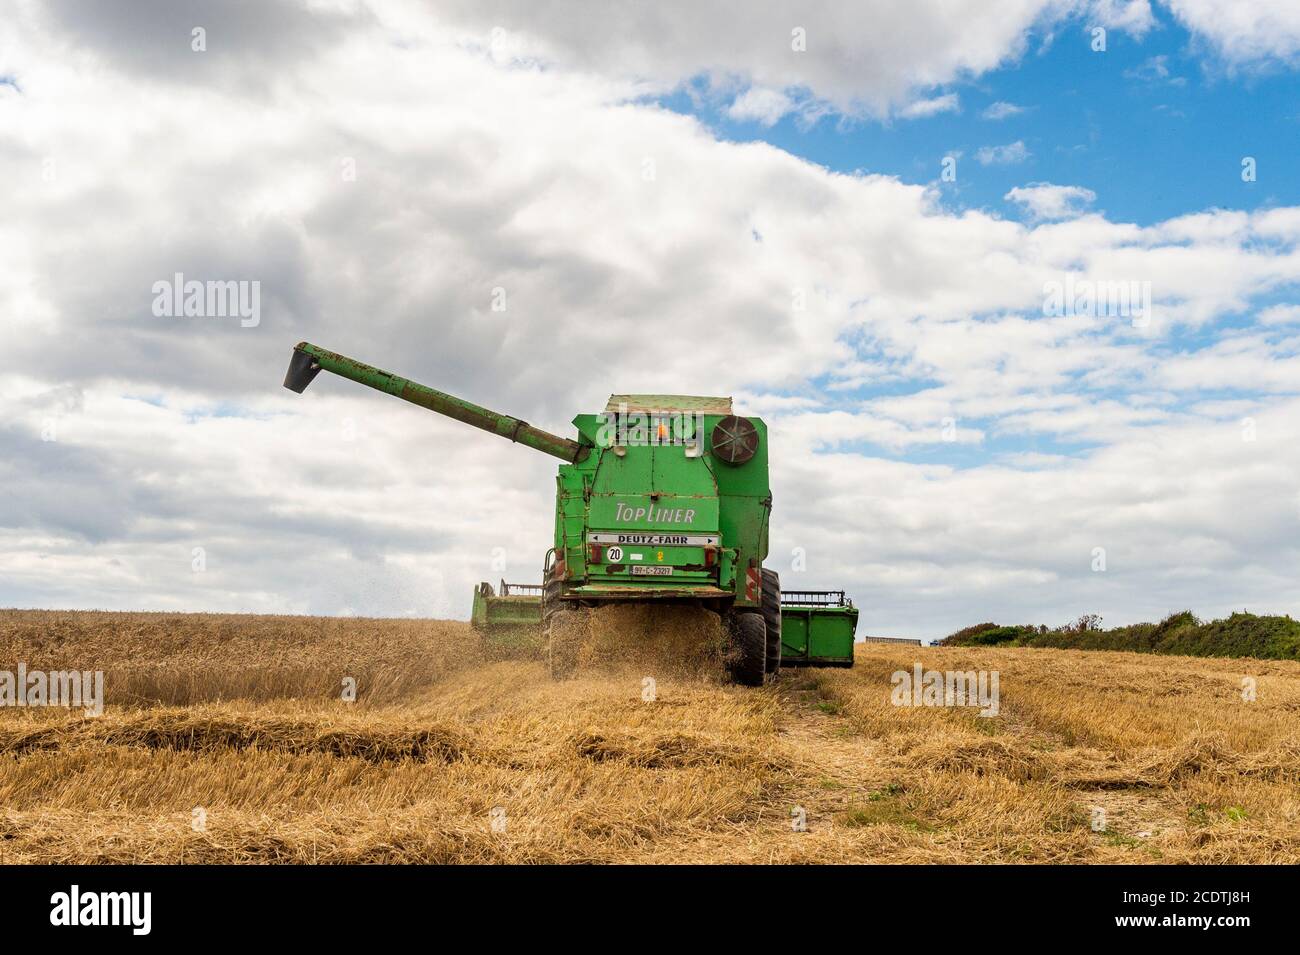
[661, 499]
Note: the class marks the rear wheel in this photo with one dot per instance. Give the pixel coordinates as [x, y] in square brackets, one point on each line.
[772, 620]
[747, 652]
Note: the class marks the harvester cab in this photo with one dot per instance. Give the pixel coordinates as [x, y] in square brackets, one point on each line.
[661, 499]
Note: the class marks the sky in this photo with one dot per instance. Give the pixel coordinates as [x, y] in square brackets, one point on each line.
[1013, 283]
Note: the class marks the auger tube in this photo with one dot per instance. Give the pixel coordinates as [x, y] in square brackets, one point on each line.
[308, 360]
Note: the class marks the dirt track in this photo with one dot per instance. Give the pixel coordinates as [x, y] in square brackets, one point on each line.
[225, 740]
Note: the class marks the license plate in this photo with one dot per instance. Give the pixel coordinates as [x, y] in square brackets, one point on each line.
[650, 570]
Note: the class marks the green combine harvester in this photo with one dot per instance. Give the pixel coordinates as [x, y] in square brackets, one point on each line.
[661, 499]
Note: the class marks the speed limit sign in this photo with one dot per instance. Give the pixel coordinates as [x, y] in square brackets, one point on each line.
[615, 554]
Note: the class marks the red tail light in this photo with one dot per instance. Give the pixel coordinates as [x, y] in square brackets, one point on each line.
[710, 555]
[594, 553]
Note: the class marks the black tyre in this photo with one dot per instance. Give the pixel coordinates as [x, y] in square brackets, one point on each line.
[772, 620]
[747, 653]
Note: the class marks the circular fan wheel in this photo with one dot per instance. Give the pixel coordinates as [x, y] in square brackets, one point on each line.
[735, 440]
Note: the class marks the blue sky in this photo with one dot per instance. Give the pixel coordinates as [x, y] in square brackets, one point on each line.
[1151, 125]
[1154, 125]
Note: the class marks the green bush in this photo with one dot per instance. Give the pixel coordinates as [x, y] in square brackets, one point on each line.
[1240, 635]
[961, 637]
[989, 635]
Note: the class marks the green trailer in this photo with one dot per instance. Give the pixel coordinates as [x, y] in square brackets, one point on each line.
[659, 499]
[817, 628]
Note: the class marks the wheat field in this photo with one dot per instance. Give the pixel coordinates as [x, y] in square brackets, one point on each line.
[227, 739]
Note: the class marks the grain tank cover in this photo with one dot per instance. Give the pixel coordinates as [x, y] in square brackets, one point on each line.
[688, 404]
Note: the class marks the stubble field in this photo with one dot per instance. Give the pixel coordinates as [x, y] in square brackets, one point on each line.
[226, 739]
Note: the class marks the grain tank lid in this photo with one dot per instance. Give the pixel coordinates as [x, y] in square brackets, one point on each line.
[693, 404]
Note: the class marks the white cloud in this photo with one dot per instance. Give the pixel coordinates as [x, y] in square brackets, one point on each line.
[1155, 69]
[1133, 17]
[1002, 110]
[1002, 155]
[872, 57]
[948, 103]
[1042, 200]
[1244, 34]
[1280, 315]
[760, 105]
